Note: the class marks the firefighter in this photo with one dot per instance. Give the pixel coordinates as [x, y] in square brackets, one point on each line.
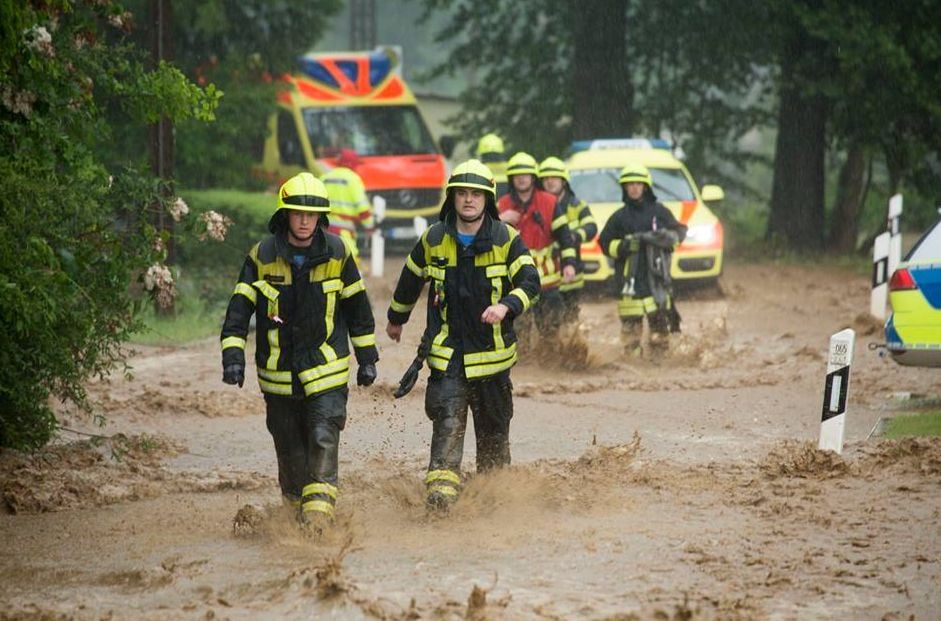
[482, 278]
[490, 151]
[554, 178]
[350, 208]
[309, 302]
[541, 221]
[640, 237]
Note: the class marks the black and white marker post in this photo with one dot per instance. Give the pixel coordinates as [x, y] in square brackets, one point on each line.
[880, 276]
[895, 231]
[836, 388]
[377, 244]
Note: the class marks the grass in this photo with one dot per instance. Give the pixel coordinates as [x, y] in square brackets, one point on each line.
[920, 425]
[258, 203]
[193, 321]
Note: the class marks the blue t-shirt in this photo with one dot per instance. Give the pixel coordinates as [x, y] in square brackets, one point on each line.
[466, 238]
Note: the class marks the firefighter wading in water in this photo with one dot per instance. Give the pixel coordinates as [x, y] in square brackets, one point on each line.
[309, 302]
[541, 221]
[482, 277]
[554, 178]
[641, 294]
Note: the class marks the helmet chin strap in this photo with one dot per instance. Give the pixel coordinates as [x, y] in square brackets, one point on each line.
[471, 220]
[300, 239]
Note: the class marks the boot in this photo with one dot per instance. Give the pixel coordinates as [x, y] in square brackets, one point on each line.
[317, 508]
[632, 331]
[442, 490]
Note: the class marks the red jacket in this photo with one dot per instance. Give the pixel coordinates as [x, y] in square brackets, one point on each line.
[542, 222]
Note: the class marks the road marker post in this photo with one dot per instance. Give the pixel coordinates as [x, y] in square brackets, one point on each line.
[377, 243]
[894, 228]
[836, 387]
[880, 276]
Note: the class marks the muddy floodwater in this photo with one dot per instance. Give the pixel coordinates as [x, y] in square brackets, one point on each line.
[687, 486]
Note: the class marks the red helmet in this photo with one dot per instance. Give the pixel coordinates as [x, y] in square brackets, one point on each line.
[348, 158]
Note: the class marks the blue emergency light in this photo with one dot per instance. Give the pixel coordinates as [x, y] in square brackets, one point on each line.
[620, 143]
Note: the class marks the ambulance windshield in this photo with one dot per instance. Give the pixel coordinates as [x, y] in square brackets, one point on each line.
[368, 130]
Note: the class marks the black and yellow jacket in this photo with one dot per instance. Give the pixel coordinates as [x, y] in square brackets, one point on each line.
[495, 268]
[635, 217]
[583, 227]
[304, 316]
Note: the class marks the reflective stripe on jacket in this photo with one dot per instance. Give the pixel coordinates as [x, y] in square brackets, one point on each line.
[495, 268]
[583, 227]
[349, 205]
[303, 327]
[636, 217]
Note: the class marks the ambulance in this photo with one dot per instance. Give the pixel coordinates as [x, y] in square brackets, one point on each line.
[359, 101]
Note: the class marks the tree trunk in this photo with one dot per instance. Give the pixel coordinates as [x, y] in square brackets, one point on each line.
[844, 227]
[797, 193]
[161, 133]
[604, 95]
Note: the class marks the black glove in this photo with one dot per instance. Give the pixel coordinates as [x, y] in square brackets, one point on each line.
[366, 374]
[234, 374]
[630, 245]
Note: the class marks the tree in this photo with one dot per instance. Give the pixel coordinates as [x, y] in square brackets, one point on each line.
[75, 232]
[602, 107]
[546, 73]
[241, 47]
[866, 75]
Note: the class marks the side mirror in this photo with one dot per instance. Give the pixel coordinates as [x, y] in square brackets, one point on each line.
[711, 193]
[448, 143]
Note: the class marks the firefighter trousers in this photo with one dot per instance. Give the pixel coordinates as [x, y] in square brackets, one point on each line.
[306, 434]
[491, 402]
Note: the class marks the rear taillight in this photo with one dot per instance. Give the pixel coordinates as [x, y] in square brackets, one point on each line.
[902, 280]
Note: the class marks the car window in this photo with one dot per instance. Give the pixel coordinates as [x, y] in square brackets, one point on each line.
[600, 185]
[928, 247]
[596, 185]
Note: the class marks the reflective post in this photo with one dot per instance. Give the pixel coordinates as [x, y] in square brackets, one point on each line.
[836, 387]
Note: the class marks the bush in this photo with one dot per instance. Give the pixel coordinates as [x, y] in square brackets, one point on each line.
[74, 233]
[211, 269]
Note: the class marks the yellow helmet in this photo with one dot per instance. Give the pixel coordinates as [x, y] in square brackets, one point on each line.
[635, 173]
[553, 167]
[489, 143]
[473, 174]
[303, 192]
[521, 164]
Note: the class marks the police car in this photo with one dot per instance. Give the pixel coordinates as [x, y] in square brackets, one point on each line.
[913, 329]
[594, 166]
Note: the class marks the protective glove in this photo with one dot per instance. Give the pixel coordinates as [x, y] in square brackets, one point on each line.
[672, 235]
[631, 244]
[234, 374]
[366, 374]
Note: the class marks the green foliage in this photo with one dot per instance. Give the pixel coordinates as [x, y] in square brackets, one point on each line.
[192, 320]
[211, 269]
[235, 47]
[74, 233]
[207, 272]
[919, 425]
[222, 154]
[521, 52]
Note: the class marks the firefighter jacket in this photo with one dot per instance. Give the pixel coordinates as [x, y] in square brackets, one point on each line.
[583, 227]
[494, 268]
[304, 316]
[542, 222]
[349, 206]
[636, 217]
